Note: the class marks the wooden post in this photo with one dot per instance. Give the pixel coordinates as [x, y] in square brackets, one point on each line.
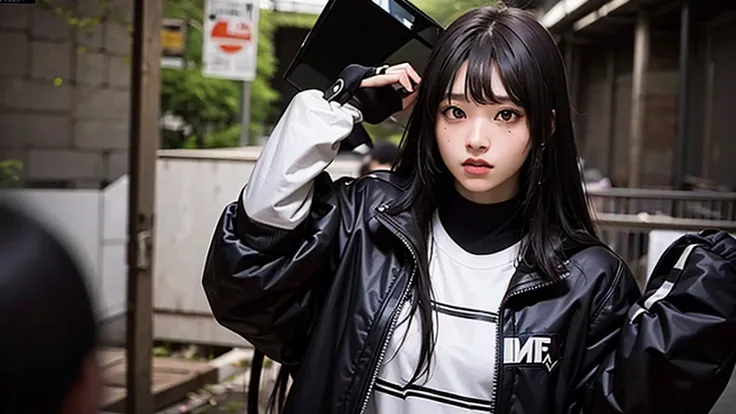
[610, 122]
[144, 143]
[638, 95]
[683, 133]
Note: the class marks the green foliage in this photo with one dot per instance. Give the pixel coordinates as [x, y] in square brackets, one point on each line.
[229, 137]
[9, 172]
[291, 20]
[386, 130]
[68, 12]
[212, 106]
[162, 351]
[206, 104]
[201, 102]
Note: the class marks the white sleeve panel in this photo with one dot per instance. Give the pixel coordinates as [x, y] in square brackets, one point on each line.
[305, 141]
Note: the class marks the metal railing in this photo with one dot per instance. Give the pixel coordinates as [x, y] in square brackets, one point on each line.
[625, 217]
[709, 205]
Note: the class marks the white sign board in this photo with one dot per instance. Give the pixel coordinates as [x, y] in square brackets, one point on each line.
[230, 39]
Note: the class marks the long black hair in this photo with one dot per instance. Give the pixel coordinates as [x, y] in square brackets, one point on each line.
[554, 205]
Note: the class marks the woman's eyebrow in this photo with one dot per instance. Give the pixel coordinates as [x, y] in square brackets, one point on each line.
[460, 97]
[456, 97]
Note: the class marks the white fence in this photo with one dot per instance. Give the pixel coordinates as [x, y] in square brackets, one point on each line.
[92, 224]
[192, 188]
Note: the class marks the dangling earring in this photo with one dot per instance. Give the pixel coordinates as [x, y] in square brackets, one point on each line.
[539, 164]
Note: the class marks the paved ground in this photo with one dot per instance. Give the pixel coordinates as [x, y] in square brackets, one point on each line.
[227, 397]
[231, 398]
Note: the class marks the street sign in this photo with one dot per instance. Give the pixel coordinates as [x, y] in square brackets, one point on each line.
[173, 43]
[230, 39]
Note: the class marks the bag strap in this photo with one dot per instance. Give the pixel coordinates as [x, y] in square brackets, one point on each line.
[255, 382]
[666, 288]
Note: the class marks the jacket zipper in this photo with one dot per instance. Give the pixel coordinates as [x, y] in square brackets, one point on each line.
[394, 318]
[499, 327]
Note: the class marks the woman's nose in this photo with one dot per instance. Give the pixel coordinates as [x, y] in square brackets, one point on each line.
[478, 140]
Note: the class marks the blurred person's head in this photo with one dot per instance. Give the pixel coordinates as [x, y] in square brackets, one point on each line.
[382, 157]
[47, 353]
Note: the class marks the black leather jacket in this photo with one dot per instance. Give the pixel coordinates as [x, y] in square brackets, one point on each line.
[323, 299]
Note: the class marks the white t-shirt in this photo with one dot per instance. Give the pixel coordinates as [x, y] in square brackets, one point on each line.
[468, 290]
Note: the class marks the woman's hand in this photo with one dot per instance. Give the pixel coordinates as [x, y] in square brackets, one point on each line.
[402, 74]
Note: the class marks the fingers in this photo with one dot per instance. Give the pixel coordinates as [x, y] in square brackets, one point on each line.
[405, 82]
[380, 80]
[403, 74]
[406, 67]
[408, 101]
[388, 79]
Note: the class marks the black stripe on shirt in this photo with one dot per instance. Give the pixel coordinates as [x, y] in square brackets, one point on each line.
[443, 397]
[466, 313]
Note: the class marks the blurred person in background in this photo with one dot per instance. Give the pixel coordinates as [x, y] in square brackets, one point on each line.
[382, 157]
[47, 353]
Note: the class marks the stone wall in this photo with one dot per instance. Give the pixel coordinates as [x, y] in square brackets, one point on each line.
[64, 94]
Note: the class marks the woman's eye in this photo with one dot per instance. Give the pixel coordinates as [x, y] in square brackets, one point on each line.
[506, 115]
[454, 112]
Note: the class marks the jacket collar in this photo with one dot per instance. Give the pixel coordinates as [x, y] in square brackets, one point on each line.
[522, 282]
[404, 224]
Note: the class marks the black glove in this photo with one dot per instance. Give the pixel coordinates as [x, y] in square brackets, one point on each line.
[376, 104]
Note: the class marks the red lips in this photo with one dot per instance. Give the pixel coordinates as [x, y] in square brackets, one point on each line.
[476, 166]
[477, 162]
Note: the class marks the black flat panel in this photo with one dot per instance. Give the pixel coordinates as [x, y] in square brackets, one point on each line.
[362, 32]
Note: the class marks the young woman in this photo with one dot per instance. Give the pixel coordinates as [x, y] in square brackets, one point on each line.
[469, 279]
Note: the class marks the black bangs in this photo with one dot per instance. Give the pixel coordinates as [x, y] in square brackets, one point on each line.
[486, 51]
[485, 42]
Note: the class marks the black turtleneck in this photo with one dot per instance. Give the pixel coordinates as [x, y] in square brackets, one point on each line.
[481, 228]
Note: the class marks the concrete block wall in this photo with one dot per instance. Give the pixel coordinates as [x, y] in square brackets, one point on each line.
[65, 93]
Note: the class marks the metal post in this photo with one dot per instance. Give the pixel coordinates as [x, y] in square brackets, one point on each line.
[638, 95]
[245, 115]
[684, 100]
[144, 142]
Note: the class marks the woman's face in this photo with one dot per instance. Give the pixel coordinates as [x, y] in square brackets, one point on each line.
[483, 146]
